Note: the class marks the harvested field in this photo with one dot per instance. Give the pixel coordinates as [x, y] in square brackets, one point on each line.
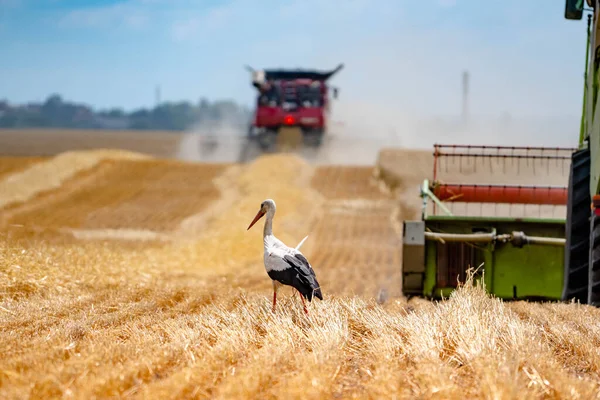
[49, 142]
[358, 232]
[10, 165]
[124, 194]
[336, 182]
[136, 278]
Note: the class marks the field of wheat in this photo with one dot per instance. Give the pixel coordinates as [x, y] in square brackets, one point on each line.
[132, 277]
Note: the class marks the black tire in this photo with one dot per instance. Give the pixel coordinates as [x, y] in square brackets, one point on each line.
[313, 139]
[577, 247]
[248, 151]
[267, 141]
[594, 262]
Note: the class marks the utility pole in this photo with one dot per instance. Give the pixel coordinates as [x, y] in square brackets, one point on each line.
[465, 99]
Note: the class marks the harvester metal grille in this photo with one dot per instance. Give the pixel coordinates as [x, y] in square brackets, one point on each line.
[501, 180]
[453, 261]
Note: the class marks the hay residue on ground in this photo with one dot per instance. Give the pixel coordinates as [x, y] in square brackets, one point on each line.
[224, 244]
[88, 321]
[192, 318]
[50, 174]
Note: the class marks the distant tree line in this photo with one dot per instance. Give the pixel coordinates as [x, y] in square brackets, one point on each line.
[176, 116]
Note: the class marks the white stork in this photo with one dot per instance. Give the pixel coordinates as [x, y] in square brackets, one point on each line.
[286, 265]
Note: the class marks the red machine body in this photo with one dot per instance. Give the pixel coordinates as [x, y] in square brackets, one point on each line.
[501, 161]
[305, 109]
[507, 194]
[291, 98]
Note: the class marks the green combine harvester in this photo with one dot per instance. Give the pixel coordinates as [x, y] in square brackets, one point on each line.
[485, 206]
[582, 250]
[528, 216]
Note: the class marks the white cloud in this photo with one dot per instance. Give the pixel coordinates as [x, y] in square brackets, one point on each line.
[182, 30]
[328, 11]
[10, 3]
[129, 15]
[410, 66]
[447, 3]
[203, 24]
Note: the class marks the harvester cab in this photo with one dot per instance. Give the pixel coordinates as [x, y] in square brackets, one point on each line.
[290, 101]
[499, 208]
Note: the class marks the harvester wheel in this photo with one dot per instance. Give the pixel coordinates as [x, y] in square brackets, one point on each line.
[267, 140]
[577, 248]
[594, 270]
[313, 139]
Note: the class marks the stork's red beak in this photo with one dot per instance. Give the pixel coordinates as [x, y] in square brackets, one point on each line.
[258, 216]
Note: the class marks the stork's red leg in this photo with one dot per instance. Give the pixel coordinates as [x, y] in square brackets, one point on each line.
[274, 299]
[303, 302]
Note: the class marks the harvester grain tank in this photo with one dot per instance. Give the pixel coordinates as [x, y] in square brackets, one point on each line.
[291, 99]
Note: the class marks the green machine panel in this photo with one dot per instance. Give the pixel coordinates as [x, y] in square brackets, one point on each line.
[533, 271]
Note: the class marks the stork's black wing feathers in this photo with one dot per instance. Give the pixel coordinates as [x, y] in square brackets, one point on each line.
[305, 275]
[300, 275]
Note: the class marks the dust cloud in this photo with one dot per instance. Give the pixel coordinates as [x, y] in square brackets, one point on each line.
[212, 141]
[401, 86]
[358, 131]
[384, 126]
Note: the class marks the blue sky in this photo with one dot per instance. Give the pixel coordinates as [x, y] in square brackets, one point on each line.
[524, 58]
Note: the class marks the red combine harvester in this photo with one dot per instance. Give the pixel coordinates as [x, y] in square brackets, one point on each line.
[291, 99]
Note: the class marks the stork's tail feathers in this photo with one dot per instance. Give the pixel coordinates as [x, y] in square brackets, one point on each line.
[301, 243]
[317, 293]
[310, 294]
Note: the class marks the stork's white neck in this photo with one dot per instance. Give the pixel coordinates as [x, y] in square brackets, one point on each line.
[268, 229]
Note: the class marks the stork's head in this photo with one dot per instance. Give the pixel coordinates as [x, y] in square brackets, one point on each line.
[266, 207]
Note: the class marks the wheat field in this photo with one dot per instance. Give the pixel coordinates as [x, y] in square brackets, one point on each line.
[124, 276]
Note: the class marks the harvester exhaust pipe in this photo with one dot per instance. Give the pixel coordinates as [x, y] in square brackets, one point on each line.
[336, 70]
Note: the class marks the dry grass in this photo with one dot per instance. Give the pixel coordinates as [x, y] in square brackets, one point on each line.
[356, 232]
[11, 165]
[50, 174]
[87, 320]
[124, 194]
[190, 318]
